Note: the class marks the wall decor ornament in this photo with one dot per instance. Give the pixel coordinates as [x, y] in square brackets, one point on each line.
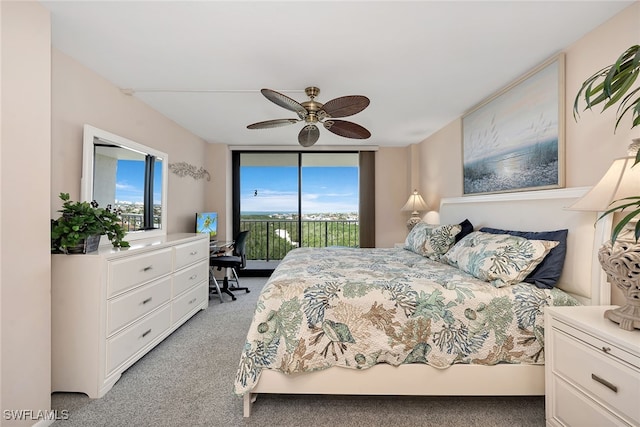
[183, 169]
[514, 140]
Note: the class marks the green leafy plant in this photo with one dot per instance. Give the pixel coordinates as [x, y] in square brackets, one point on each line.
[79, 220]
[613, 85]
[610, 86]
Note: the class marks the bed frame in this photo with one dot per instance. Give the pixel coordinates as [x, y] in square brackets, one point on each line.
[526, 211]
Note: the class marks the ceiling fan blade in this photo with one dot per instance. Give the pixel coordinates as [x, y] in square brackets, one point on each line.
[347, 129]
[272, 123]
[345, 105]
[308, 135]
[285, 102]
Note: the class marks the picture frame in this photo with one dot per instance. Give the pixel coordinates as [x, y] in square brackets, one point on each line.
[514, 140]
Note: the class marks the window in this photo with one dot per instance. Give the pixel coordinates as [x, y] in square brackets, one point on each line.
[301, 199]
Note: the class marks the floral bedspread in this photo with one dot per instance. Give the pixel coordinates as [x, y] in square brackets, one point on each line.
[358, 307]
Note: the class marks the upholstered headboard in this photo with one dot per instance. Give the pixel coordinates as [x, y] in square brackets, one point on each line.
[544, 210]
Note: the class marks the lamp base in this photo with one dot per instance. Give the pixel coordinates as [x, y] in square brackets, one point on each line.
[413, 221]
[621, 262]
[627, 316]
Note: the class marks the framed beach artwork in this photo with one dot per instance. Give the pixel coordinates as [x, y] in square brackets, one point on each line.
[514, 141]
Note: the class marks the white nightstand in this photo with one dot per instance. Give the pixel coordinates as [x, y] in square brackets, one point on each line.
[592, 369]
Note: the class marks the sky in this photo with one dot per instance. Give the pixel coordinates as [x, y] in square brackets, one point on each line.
[130, 181]
[275, 189]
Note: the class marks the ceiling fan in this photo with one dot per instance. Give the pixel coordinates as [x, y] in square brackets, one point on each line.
[313, 112]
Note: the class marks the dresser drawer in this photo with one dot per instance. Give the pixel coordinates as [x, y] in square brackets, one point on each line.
[188, 253]
[572, 408]
[130, 306]
[598, 374]
[128, 342]
[189, 277]
[190, 300]
[126, 273]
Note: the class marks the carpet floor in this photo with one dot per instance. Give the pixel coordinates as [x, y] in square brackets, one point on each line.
[187, 380]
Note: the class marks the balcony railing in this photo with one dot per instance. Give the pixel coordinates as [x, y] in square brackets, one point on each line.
[133, 222]
[271, 239]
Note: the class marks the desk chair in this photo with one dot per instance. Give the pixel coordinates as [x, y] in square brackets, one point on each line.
[234, 262]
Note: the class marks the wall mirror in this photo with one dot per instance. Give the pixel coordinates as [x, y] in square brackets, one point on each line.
[128, 176]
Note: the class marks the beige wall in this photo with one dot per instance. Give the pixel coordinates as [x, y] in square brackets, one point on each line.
[81, 96]
[47, 97]
[25, 266]
[590, 142]
[393, 183]
[218, 191]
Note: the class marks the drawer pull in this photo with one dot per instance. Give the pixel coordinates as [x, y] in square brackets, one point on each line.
[146, 333]
[194, 253]
[147, 300]
[193, 300]
[604, 382]
[147, 268]
[606, 349]
[195, 276]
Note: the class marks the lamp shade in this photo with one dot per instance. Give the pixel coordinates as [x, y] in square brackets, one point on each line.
[415, 203]
[621, 180]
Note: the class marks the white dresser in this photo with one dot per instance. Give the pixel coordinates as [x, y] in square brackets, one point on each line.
[110, 307]
[592, 369]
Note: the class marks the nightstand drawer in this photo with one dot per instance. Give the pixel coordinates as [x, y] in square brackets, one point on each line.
[600, 344]
[573, 408]
[598, 374]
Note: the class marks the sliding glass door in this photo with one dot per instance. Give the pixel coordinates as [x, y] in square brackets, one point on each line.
[269, 203]
[291, 200]
[329, 208]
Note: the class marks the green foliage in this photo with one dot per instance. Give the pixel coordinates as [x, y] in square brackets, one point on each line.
[611, 85]
[80, 220]
[276, 238]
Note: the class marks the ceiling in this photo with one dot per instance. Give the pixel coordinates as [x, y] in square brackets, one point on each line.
[421, 63]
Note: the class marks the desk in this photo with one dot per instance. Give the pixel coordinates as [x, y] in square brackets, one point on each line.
[219, 249]
[216, 247]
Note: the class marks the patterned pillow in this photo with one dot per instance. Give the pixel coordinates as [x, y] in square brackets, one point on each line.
[501, 259]
[548, 272]
[431, 241]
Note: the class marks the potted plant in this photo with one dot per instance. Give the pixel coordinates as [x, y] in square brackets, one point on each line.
[620, 259]
[80, 225]
[610, 85]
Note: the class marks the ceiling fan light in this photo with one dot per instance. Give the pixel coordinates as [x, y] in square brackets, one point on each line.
[313, 112]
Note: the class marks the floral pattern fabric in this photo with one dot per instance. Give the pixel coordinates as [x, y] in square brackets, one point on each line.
[500, 259]
[355, 308]
[432, 241]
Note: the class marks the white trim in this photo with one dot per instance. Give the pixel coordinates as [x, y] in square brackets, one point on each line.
[86, 180]
[559, 193]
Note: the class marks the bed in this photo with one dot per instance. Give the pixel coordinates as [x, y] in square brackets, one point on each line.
[390, 321]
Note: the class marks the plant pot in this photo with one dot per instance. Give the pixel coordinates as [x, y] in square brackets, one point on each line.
[90, 244]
